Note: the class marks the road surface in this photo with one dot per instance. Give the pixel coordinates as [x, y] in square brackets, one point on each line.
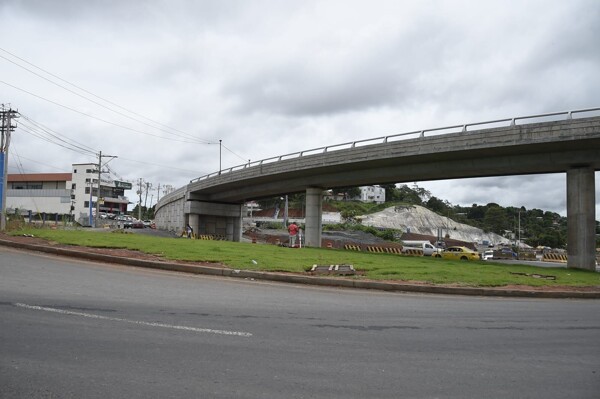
[75, 329]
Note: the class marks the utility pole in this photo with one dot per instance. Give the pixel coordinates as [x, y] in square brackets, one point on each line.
[148, 186]
[100, 156]
[140, 202]
[98, 193]
[220, 155]
[158, 193]
[6, 128]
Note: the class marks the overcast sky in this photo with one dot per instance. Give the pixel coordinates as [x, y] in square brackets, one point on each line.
[273, 77]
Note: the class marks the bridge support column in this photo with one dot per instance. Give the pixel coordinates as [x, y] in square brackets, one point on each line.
[215, 219]
[581, 221]
[314, 216]
[194, 221]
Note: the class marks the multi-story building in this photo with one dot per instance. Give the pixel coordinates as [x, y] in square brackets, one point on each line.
[56, 195]
[367, 194]
[372, 194]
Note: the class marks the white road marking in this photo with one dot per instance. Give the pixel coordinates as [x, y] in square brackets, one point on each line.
[143, 323]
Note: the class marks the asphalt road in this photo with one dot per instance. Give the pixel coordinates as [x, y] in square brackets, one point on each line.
[75, 329]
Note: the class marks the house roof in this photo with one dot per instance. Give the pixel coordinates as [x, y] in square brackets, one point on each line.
[37, 177]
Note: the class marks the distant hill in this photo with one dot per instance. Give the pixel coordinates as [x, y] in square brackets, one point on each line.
[419, 220]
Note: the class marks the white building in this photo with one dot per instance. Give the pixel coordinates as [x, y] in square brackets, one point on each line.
[54, 195]
[374, 194]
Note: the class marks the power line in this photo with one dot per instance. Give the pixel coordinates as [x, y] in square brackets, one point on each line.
[53, 139]
[184, 134]
[34, 131]
[20, 164]
[98, 97]
[243, 159]
[100, 119]
[57, 135]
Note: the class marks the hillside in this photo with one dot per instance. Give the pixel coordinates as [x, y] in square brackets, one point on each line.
[420, 220]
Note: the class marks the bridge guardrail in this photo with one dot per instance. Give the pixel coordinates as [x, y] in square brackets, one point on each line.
[394, 137]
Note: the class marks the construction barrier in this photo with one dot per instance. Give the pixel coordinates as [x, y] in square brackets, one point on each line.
[397, 251]
[211, 237]
[555, 258]
[385, 250]
[352, 247]
[412, 252]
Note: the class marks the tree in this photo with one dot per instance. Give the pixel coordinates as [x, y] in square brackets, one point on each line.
[437, 205]
[390, 192]
[495, 219]
[406, 194]
[348, 192]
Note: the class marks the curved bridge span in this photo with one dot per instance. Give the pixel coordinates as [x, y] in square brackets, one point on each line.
[570, 143]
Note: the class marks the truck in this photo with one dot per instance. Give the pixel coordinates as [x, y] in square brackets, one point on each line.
[425, 246]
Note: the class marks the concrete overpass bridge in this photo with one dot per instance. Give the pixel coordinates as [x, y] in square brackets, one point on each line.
[563, 142]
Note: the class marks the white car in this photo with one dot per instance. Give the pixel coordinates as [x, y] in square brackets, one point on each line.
[488, 254]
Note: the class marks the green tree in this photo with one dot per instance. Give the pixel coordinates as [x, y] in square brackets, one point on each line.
[408, 195]
[495, 219]
[437, 205]
[391, 192]
[348, 192]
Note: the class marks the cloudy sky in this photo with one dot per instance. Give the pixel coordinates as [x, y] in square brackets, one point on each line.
[159, 83]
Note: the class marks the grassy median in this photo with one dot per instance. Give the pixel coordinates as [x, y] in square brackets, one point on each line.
[374, 266]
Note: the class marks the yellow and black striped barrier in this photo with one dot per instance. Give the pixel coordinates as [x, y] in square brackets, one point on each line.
[352, 247]
[412, 252]
[560, 258]
[211, 237]
[385, 250]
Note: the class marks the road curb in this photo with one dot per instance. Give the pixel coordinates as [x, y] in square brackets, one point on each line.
[300, 279]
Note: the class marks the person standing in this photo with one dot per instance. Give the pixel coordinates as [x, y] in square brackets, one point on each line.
[293, 231]
[189, 231]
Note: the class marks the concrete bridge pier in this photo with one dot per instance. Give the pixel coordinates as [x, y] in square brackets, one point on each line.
[581, 220]
[209, 218]
[314, 216]
[194, 221]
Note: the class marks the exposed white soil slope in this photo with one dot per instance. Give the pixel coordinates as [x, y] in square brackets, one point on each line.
[420, 220]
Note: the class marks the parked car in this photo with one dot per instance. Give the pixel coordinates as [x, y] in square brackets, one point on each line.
[460, 253]
[137, 224]
[505, 253]
[488, 254]
[149, 224]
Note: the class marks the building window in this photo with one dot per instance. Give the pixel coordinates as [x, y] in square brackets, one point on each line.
[26, 186]
[87, 190]
[87, 180]
[73, 186]
[74, 170]
[86, 204]
[73, 196]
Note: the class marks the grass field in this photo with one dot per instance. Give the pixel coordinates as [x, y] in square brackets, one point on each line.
[372, 265]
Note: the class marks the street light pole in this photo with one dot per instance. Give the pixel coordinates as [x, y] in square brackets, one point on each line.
[519, 243]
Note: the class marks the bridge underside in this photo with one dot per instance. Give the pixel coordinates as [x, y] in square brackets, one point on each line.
[225, 220]
[214, 219]
[213, 205]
